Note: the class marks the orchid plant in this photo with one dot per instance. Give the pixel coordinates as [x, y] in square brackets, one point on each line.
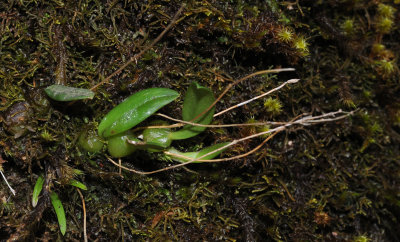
[198, 111]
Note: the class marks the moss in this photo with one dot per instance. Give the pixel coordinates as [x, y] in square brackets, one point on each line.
[384, 25]
[386, 10]
[273, 106]
[348, 26]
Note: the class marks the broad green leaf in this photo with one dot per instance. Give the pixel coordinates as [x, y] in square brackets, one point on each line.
[194, 155]
[59, 209]
[77, 184]
[36, 190]
[64, 93]
[134, 110]
[197, 99]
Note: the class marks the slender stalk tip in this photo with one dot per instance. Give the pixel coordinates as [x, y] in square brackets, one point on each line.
[293, 81]
[5, 179]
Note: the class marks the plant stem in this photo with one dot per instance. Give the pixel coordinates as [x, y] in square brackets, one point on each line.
[5, 179]
[84, 215]
[306, 120]
[260, 96]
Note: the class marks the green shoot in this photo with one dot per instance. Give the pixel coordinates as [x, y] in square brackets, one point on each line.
[65, 94]
[59, 209]
[77, 184]
[36, 190]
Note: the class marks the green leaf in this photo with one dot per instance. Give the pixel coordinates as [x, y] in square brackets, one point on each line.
[36, 190]
[59, 209]
[64, 93]
[78, 172]
[135, 109]
[198, 154]
[77, 184]
[197, 99]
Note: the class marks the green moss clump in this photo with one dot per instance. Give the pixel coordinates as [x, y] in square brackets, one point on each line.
[273, 106]
[330, 182]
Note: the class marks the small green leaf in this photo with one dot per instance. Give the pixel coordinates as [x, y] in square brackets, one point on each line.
[134, 110]
[64, 93]
[36, 190]
[198, 154]
[59, 209]
[77, 184]
[78, 172]
[197, 99]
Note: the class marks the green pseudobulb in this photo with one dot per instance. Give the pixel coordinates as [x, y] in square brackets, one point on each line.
[118, 145]
[90, 141]
[157, 139]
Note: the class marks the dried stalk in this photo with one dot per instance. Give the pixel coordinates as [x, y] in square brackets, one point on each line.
[260, 96]
[181, 122]
[9, 186]
[238, 81]
[84, 216]
[4, 177]
[304, 121]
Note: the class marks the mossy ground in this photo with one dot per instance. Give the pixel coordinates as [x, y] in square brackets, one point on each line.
[333, 181]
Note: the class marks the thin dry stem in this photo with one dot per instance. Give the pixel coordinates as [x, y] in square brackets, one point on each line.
[238, 81]
[9, 186]
[84, 215]
[120, 163]
[182, 122]
[260, 96]
[305, 121]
